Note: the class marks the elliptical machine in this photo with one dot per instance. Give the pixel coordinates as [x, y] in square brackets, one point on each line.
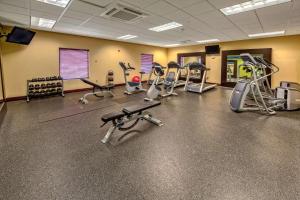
[131, 87]
[258, 89]
[155, 90]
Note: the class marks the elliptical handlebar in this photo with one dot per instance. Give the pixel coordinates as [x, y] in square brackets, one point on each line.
[129, 67]
[158, 69]
[267, 64]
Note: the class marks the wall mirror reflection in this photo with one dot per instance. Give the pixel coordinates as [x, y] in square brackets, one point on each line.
[232, 65]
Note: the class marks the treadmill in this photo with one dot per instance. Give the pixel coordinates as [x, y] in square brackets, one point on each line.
[195, 68]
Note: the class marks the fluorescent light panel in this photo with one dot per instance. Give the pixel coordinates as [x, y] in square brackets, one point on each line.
[127, 37]
[60, 3]
[251, 5]
[172, 45]
[267, 34]
[165, 27]
[42, 22]
[208, 41]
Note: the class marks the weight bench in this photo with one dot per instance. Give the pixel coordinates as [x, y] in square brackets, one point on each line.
[100, 93]
[127, 115]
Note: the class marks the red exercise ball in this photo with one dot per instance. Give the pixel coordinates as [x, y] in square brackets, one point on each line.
[136, 79]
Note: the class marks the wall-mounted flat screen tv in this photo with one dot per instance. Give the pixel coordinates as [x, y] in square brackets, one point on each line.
[20, 36]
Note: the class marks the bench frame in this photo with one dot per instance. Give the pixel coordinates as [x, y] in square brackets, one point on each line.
[100, 93]
[120, 123]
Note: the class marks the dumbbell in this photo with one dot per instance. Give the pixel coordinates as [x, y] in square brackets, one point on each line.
[43, 85]
[47, 78]
[59, 90]
[48, 85]
[35, 94]
[47, 92]
[59, 78]
[58, 84]
[34, 80]
[31, 87]
[37, 86]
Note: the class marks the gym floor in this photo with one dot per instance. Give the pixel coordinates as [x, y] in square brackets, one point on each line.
[204, 151]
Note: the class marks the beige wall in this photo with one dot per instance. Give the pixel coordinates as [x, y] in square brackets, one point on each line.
[41, 58]
[1, 92]
[285, 54]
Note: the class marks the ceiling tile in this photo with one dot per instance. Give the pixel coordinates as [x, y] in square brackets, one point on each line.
[244, 18]
[140, 3]
[45, 7]
[41, 14]
[13, 9]
[225, 3]
[185, 3]
[161, 7]
[13, 19]
[251, 28]
[101, 3]
[199, 8]
[18, 3]
[87, 8]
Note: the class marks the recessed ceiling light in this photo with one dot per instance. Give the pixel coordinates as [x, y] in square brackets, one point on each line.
[172, 45]
[267, 34]
[42, 22]
[208, 41]
[165, 27]
[60, 3]
[127, 37]
[250, 5]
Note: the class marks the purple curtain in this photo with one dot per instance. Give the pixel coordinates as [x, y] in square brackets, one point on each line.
[73, 63]
[146, 60]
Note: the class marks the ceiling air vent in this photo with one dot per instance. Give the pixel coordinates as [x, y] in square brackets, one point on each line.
[123, 13]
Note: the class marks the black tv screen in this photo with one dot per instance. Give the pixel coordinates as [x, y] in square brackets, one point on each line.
[20, 36]
[215, 49]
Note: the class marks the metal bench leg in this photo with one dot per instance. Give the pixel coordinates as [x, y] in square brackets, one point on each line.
[111, 93]
[153, 120]
[109, 133]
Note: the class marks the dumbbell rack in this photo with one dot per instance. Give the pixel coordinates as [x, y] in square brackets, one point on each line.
[51, 87]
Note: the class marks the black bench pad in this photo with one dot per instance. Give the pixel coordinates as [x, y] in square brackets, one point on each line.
[96, 85]
[129, 111]
[111, 116]
[140, 107]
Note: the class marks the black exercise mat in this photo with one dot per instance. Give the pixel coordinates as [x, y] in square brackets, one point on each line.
[69, 112]
[126, 99]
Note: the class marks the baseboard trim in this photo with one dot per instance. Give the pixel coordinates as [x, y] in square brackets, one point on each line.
[3, 110]
[66, 92]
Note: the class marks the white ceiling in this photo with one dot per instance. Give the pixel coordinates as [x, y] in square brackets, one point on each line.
[201, 19]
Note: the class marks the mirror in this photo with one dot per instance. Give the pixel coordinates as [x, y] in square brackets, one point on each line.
[184, 58]
[232, 65]
[235, 69]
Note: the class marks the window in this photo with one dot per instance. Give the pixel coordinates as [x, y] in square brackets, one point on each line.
[147, 61]
[73, 63]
